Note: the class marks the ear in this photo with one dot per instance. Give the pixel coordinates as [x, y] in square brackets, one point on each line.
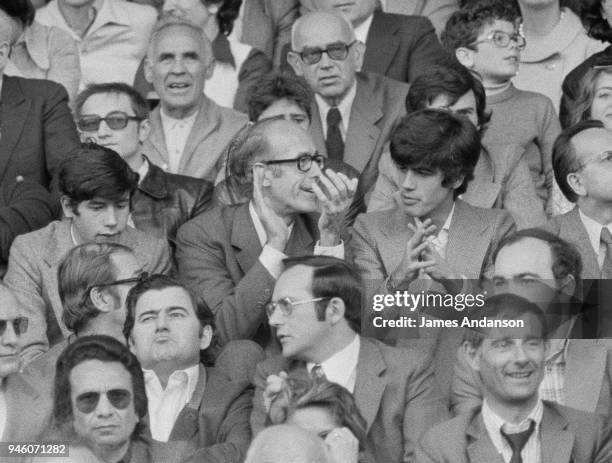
[5, 50]
[457, 183]
[210, 69]
[472, 355]
[102, 299]
[295, 62]
[66, 203]
[267, 178]
[568, 285]
[358, 51]
[465, 56]
[574, 180]
[206, 338]
[130, 342]
[144, 130]
[334, 312]
[148, 70]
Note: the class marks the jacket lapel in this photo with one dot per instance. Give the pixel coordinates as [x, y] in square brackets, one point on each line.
[301, 241]
[20, 397]
[480, 448]
[397, 234]
[154, 183]
[381, 43]
[483, 190]
[316, 129]
[244, 238]
[369, 382]
[187, 422]
[557, 442]
[14, 103]
[155, 145]
[574, 229]
[585, 359]
[206, 122]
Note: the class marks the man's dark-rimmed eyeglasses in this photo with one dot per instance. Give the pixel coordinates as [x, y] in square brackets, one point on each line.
[303, 161]
[115, 120]
[337, 51]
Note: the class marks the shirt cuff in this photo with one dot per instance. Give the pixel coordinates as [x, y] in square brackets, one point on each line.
[272, 260]
[333, 251]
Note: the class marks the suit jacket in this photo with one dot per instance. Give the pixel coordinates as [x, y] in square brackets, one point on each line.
[586, 358]
[37, 129]
[163, 202]
[376, 111]
[501, 181]
[212, 131]
[569, 226]
[32, 275]
[438, 11]
[401, 47]
[567, 436]
[215, 422]
[394, 390]
[218, 258]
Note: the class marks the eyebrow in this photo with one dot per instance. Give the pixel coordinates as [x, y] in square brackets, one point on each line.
[172, 308]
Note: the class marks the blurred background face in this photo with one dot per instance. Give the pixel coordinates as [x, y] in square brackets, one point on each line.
[356, 11]
[106, 425]
[318, 420]
[288, 110]
[601, 107]
[606, 11]
[10, 344]
[193, 10]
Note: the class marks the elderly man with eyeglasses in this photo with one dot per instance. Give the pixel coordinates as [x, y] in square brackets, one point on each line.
[353, 113]
[232, 255]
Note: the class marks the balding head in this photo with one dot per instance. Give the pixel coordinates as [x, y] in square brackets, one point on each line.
[287, 444]
[331, 78]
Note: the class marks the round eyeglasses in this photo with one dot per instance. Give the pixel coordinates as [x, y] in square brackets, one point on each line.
[88, 401]
[502, 39]
[115, 120]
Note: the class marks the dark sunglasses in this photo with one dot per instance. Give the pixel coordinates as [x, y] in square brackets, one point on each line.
[88, 401]
[338, 51]
[20, 325]
[115, 120]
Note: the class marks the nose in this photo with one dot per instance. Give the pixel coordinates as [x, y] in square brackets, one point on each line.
[104, 130]
[110, 219]
[275, 319]
[326, 61]
[9, 338]
[161, 323]
[520, 356]
[104, 407]
[178, 67]
[408, 183]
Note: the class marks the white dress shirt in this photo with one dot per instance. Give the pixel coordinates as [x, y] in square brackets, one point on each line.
[441, 239]
[593, 230]
[341, 368]
[494, 423]
[165, 405]
[272, 259]
[176, 132]
[344, 107]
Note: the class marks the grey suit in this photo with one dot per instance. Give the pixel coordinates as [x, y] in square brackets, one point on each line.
[376, 111]
[567, 436]
[213, 129]
[32, 275]
[394, 391]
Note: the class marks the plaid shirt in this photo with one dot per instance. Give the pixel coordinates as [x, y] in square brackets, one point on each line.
[553, 385]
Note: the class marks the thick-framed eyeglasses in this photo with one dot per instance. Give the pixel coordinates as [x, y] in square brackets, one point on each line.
[286, 305]
[337, 51]
[20, 325]
[303, 161]
[115, 120]
[502, 39]
[118, 398]
[604, 158]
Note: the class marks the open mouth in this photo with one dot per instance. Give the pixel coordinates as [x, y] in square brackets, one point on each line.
[178, 86]
[520, 374]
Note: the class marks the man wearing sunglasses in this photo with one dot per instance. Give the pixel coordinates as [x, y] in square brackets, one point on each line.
[117, 116]
[232, 255]
[96, 188]
[353, 113]
[316, 311]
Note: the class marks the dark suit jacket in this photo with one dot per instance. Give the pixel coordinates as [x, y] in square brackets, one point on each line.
[567, 436]
[37, 129]
[569, 227]
[437, 11]
[32, 275]
[401, 47]
[394, 390]
[163, 202]
[217, 255]
[376, 111]
[215, 422]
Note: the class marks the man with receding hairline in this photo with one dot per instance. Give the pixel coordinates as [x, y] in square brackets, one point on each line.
[189, 132]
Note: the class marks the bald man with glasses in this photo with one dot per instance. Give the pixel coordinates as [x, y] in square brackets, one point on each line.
[232, 255]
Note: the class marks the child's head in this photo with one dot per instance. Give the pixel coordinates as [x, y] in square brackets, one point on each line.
[484, 37]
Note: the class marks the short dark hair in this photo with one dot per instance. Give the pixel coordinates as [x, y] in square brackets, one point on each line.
[453, 81]
[104, 349]
[277, 86]
[227, 14]
[96, 172]
[139, 104]
[565, 256]
[84, 267]
[333, 277]
[300, 393]
[505, 307]
[565, 160]
[464, 25]
[157, 282]
[21, 10]
[594, 23]
[439, 140]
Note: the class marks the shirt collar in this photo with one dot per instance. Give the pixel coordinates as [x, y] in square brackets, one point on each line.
[169, 122]
[493, 423]
[593, 230]
[340, 366]
[344, 106]
[361, 31]
[222, 51]
[191, 375]
[259, 228]
[447, 222]
[144, 170]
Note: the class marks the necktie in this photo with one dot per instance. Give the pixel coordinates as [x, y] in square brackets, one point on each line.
[606, 239]
[317, 372]
[334, 143]
[517, 441]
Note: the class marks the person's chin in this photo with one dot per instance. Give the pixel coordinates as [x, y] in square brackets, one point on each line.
[9, 365]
